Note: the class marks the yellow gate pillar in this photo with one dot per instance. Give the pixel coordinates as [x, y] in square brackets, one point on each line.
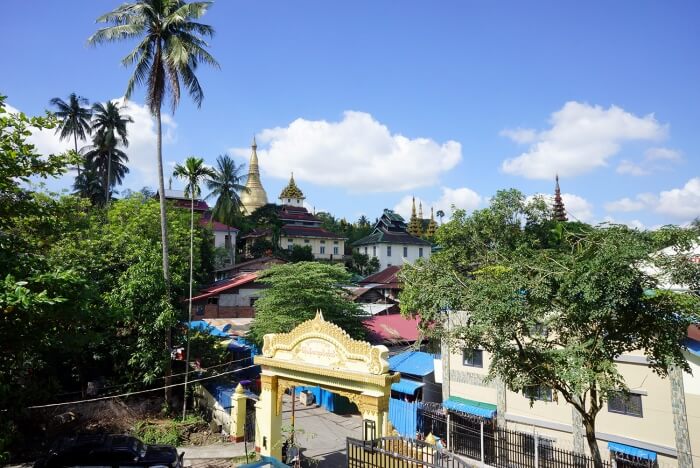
[268, 419]
[375, 409]
[238, 414]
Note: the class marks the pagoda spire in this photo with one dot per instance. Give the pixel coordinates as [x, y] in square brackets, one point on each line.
[414, 225]
[558, 208]
[255, 196]
[432, 225]
[420, 210]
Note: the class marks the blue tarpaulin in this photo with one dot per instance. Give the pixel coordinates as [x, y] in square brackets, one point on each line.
[485, 410]
[221, 392]
[412, 362]
[403, 416]
[202, 326]
[406, 386]
[693, 346]
[632, 451]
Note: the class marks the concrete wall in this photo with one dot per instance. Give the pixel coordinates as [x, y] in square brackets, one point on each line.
[220, 238]
[334, 248]
[217, 311]
[397, 253]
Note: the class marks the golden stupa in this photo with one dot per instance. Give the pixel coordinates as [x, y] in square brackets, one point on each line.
[255, 196]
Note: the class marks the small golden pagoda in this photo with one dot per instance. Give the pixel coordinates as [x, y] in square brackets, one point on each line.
[255, 196]
[414, 224]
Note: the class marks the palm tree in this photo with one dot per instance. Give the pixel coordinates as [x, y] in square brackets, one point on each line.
[170, 49]
[226, 184]
[108, 160]
[194, 172]
[110, 125]
[75, 119]
[88, 185]
[440, 214]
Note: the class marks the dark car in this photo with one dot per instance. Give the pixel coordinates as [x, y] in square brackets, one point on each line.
[109, 451]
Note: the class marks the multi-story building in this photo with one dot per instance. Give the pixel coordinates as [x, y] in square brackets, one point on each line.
[391, 243]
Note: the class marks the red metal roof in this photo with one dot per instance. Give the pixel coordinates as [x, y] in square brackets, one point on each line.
[388, 275]
[235, 282]
[216, 226]
[394, 327]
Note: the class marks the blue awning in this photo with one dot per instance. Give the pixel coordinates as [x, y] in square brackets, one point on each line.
[485, 410]
[406, 386]
[202, 326]
[693, 346]
[632, 451]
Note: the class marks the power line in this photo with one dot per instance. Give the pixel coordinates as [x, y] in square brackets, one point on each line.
[77, 402]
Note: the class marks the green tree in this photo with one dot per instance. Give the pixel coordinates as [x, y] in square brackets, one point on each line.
[110, 125]
[171, 48]
[88, 185]
[226, 185]
[195, 173]
[75, 118]
[440, 214]
[554, 303]
[296, 291]
[107, 161]
[301, 253]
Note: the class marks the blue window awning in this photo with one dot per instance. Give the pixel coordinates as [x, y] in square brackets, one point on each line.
[484, 410]
[406, 386]
[632, 451]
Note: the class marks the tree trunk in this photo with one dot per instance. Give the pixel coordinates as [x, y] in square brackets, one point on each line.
[164, 242]
[109, 177]
[231, 252]
[589, 424]
[189, 307]
[75, 141]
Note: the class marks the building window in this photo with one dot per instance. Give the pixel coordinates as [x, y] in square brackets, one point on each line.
[538, 392]
[213, 300]
[323, 242]
[335, 242]
[420, 251]
[227, 241]
[306, 241]
[365, 250]
[405, 251]
[473, 358]
[200, 310]
[252, 301]
[322, 250]
[335, 250]
[374, 250]
[625, 403]
[289, 200]
[388, 251]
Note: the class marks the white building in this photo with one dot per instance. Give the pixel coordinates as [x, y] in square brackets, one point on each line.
[391, 243]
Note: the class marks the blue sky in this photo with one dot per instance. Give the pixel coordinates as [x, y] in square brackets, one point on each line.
[372, 102]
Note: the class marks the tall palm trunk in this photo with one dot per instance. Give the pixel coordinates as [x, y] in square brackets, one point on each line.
[231, 251]
[164, 242]
[75, 141]
[189, 307]
[108, 182]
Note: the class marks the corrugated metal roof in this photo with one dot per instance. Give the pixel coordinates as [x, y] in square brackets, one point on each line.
[478, 408]
[412, 362]
[407, 386]
[632, 451]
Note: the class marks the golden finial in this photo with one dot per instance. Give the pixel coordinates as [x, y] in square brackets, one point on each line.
[239, 389]
[254, 145]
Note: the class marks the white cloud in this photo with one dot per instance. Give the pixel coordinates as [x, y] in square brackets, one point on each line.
[655, 159]
[582, 138]
[519, 135]
[141, 151]
[357, 153]
[625, 205]
[634, 223]
[461, 198]
[681, 202]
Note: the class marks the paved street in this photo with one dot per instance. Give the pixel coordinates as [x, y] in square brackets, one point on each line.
[322, 434]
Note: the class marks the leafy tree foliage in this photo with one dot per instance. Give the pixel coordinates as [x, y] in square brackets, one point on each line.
[351, 231]
[555, 303]
[300, 253]
[361, 264]
[296, 291]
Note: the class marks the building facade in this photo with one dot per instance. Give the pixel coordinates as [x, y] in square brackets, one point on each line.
[391, 243]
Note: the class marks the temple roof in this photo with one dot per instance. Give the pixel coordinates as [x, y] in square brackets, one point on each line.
[291, 190]
[390, 229]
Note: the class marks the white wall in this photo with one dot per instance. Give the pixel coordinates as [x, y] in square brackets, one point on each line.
[316, 245]
[240, 299]
[397, 253]
[220, 238]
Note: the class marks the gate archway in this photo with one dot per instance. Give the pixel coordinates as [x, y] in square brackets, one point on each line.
[319, 353]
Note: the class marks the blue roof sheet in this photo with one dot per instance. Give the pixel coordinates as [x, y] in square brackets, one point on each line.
[412, 362]
[406, 386]
[455, 405]
[202, 326]
[693, 346]
[632, 451]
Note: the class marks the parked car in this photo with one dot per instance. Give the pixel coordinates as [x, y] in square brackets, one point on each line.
[105, 450]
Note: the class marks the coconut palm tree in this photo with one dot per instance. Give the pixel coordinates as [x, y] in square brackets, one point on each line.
[110, 125]
[194, 172]
[106, 158]
[226, 185]
[88, 184]
[75, 119]
[440, 214]
[170, 49]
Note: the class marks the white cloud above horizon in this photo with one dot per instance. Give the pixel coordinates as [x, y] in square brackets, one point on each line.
[461, 198]
[682, 203]
[357, 153]
[655, 159]
[141, 150]
[581, 139]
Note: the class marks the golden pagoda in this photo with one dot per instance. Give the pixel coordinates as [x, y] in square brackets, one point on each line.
[414, 224]
[255, 196]
[432, 225]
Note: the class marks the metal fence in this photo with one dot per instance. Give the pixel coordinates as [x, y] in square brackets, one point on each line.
[479, 439]
[398, 452]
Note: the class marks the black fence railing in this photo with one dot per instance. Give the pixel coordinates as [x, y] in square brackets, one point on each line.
[479, 439]
[399, 452]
